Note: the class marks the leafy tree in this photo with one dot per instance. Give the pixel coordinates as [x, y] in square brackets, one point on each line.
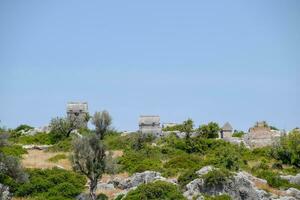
[23, 127]
[89, 159]
[102, 121]
[62, 127]
[288, 149]
[211, 130]
[187, 127]
[10, 167]
[238, 133]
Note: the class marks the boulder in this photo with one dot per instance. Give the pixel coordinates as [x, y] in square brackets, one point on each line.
[105, 186]
[292, 179]
[239, 187]
[4, 192]
[204, 170]
[137, 179]
[293, 192]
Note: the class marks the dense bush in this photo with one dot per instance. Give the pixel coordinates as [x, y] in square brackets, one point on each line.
[288, 149]
[63, 145]
[238, 134]
[211, 130]
[13, 150]
[187, 177]
[272, 178]
[51, 184]
[155, 191]
[183, 162]
[139, 161]
[216, 177]
[39, 138]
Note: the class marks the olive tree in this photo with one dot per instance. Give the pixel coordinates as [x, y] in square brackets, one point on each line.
[102, 121]
[187, 127]
[62, 127]
[89, 158]
[9, 165]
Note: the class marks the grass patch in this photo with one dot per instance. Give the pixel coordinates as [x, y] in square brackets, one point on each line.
[57, 157]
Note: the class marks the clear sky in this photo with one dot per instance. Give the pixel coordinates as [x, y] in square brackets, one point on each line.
[236, 61]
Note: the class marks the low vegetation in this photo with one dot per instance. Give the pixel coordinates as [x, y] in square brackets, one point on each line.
[154, 191]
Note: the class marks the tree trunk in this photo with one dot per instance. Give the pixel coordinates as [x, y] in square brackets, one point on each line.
[93, 187]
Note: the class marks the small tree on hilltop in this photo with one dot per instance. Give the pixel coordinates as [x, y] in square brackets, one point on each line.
[187, 127]
[211, 130]
[89, 158]
[102, 121]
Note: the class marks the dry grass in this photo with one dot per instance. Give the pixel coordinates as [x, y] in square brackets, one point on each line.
[117, 153]
[39, 159]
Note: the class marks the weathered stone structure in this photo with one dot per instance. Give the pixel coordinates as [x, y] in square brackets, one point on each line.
[150, 124]
[261, 135]
[226, 131]
[78, 112]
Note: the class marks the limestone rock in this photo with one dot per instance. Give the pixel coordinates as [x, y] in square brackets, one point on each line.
[137, 179]
[4, 192]
[204, 170]
[240, 187]
[105, 186]
[293, 192]
[292, 179]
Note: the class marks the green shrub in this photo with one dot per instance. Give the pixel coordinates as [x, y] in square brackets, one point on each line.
[64, 145]
[115, 141]
[39, 138]
[23, 127]
[226, 157]
[184, 161]
[220, 197]
[13, 150]
[187, 177]
[238, 134]
[272, 178]
[119, 197]
[288, 149]
[102, 197]
[216, 177]
[138, 161]
[51, 184]
[57, 157]
[155, 191]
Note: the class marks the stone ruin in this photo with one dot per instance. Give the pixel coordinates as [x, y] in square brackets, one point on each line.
[261, 135]
[150, 124]
[226, 131]
[78, 111]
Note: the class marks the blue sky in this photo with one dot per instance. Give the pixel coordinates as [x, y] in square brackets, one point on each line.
[236, 61]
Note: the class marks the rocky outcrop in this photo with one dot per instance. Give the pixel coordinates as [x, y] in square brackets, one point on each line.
[44, 129]
[293, 192]
[137, 179]
[239, 187]
[292, 179]
[37, 147]
[4, 192]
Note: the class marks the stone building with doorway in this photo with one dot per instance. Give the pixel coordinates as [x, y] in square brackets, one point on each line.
[261, 135]
[77, 112]
[150, 124]
[226, 131]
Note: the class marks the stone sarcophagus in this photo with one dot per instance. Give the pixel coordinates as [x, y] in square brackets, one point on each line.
[77, 112]
[150, 124]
